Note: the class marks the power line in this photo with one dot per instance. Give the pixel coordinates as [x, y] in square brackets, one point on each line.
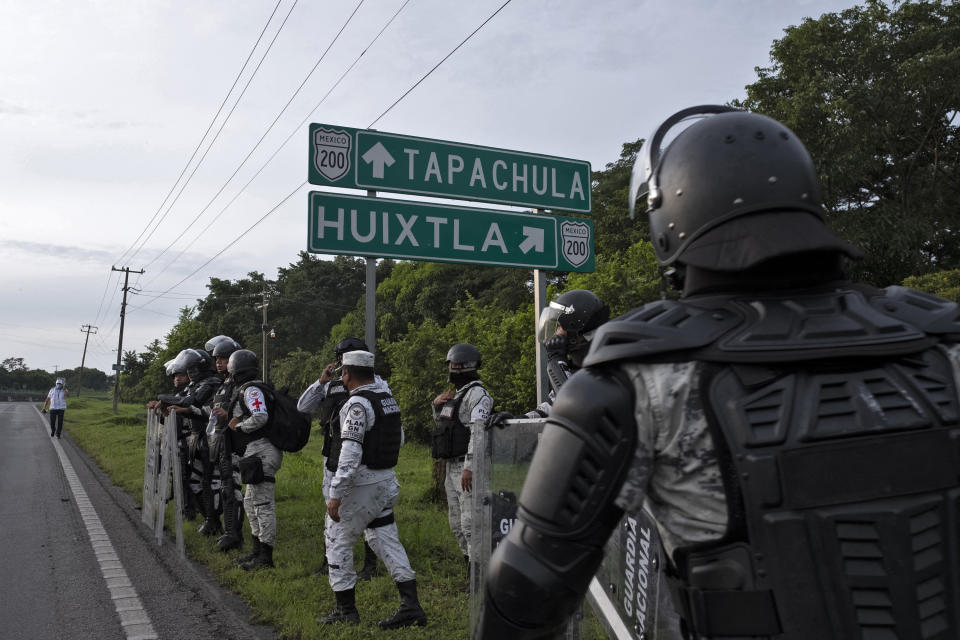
[417, 83]
[304, 183]
[215, 137]
[205, 133]
[295, 130]
[253, 149]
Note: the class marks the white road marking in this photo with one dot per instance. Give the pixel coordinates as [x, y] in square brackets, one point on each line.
[133, 617]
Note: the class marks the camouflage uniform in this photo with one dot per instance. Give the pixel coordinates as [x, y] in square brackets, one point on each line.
[258, 499]
[475, 408]
[675, 467]
[365, 495]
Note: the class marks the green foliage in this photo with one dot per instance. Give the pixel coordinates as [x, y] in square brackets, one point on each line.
[945, 284]
[872, 92]
[623, 279]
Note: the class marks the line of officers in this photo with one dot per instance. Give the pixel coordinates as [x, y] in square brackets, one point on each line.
[224, 435]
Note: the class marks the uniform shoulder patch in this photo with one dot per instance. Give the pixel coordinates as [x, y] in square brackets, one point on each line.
[254, 399]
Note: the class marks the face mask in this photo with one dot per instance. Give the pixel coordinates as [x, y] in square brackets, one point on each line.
[59, 386]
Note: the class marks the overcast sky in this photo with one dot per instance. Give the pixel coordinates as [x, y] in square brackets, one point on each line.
[102, 104]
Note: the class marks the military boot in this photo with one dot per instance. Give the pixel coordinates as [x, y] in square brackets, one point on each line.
[346, 610]
[264, 559]
[250, 556]
[211, 519]
[370, 567]
[410, 613]
[231, 539]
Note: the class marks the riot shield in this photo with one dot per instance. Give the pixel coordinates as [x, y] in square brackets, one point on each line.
[628, 597]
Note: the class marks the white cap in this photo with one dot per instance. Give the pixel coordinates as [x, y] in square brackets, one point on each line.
[60, 381]
[358, 359]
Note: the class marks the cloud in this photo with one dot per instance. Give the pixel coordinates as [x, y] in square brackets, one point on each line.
[46, 249]
[9, 108]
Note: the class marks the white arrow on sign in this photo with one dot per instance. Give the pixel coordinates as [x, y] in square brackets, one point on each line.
[378, 156]
[533, 239]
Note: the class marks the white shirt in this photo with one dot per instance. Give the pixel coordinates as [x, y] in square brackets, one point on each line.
[58, 398]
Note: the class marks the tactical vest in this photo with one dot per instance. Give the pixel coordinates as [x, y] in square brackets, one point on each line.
[451, 438]
[381, 444]
[836, 422]
[336, 395]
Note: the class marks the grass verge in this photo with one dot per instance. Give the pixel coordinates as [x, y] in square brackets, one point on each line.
[291, 596]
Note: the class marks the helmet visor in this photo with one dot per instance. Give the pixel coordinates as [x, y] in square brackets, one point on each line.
[550, 320]
[643, 180]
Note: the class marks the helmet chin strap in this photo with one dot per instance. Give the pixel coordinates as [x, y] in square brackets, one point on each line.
[671, 277]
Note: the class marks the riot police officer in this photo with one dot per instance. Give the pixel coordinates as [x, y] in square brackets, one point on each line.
[565, 329]
[328, 393]
[221, 451]
[193, 408]
[248, 418]
[790, 428]
[456, 415]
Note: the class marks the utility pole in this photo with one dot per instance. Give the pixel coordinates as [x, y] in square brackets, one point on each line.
[123, 313]
[88, 330]
[264, 328]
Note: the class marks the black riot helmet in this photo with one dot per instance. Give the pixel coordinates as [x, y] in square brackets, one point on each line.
[196, 362]
[578, 312]
[463, 357]
[729, 191]
[221, 346]
[349, 344]
[243, 365]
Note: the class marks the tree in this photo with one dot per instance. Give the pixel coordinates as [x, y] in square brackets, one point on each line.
[873, 93]
[14, 364]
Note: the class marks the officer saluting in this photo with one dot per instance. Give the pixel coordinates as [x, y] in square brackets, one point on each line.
[794, 433]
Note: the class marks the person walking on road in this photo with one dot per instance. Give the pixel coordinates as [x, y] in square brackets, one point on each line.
[57, 399]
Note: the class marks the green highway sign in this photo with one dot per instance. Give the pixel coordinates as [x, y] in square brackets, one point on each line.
[368, 159]
[411, 230]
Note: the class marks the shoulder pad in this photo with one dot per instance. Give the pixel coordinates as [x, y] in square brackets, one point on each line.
[778, 326]
[925, 311]
[664, 326]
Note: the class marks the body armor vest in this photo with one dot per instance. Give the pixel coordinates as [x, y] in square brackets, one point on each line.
[218, 435]
[451, 438]
[381, 445]
[835, 418]
[337, 394]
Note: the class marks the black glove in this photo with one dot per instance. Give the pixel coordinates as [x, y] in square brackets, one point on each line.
[556, 347]
[499, 419]
[44, 411]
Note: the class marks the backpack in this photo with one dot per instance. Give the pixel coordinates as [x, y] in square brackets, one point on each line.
[288, 429]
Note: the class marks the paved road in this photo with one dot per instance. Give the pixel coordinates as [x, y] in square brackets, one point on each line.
[77, 563]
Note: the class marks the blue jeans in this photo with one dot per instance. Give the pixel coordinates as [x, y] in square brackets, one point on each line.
[56, 421]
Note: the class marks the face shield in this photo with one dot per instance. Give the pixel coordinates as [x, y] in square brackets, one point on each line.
[550, 320]
[643, 180]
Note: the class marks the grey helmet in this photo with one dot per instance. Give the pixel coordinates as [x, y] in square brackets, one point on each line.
[172, 368]
[243, 365]
[729, 191]
[221, 346]
[463, 357]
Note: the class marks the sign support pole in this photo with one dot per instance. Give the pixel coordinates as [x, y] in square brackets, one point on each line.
[370, 332]
[539, 302]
